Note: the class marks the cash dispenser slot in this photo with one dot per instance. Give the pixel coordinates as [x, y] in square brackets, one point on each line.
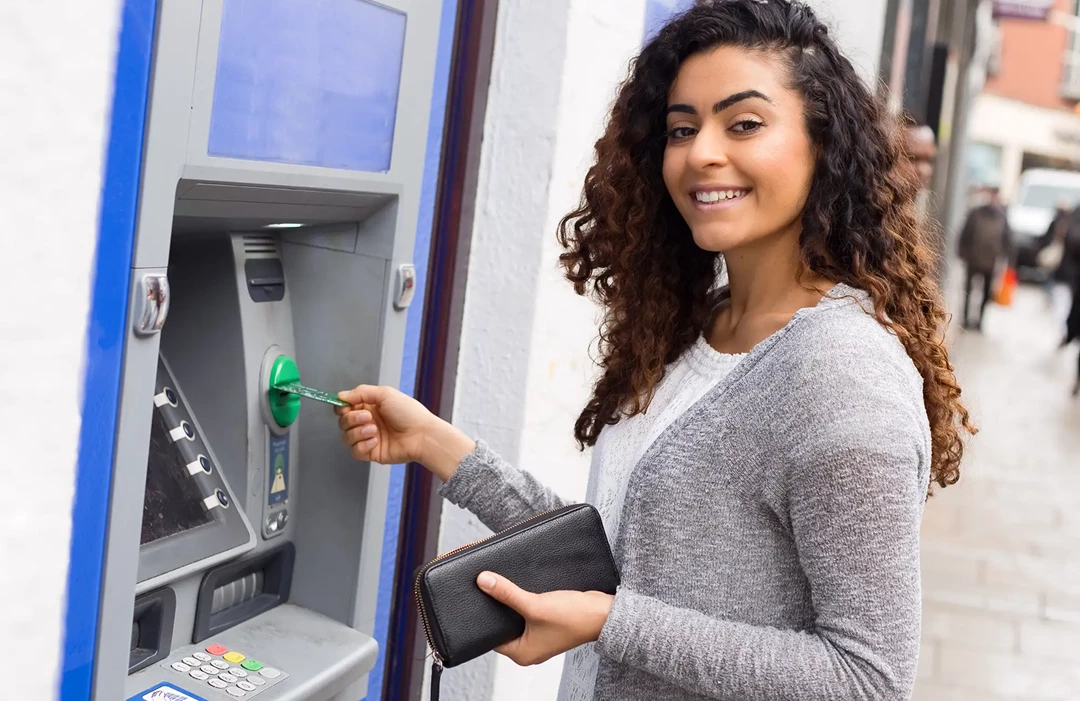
[239, 591]
[151, 628]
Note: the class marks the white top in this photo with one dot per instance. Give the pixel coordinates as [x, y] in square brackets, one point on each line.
[618, 450]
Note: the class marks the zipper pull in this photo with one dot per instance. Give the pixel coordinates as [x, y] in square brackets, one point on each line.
[436, 677]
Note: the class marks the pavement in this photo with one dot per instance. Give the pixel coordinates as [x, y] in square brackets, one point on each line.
[1001, 549]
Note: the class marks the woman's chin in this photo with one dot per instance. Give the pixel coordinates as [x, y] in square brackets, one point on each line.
[716, 239]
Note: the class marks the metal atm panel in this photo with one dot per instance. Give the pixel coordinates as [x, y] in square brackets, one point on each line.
[258, 575]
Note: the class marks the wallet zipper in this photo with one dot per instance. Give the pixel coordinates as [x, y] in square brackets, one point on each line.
[416, 585]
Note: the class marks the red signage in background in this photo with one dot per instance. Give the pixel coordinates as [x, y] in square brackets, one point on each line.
[1023, 9]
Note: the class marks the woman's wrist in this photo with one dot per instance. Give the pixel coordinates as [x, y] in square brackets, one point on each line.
[443, 449]
[599, 611]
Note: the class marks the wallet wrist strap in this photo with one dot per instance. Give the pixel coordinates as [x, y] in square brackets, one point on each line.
[436, 677]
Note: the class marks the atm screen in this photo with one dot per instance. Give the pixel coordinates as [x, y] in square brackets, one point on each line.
[173, 503]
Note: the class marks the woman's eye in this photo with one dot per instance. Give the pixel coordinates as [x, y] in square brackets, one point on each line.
[678, 133]
[746, 126]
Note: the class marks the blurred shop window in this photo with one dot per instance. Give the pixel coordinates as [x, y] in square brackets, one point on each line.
[1042, 160]
[984, 165]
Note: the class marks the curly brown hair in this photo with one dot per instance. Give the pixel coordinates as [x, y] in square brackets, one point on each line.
[627, 245]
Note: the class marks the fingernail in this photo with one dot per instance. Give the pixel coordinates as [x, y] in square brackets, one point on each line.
[486, 580]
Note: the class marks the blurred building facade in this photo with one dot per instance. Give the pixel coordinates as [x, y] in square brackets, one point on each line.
[934, 63]
[1026, 115]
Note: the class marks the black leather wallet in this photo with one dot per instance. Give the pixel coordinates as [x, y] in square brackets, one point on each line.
[564, 549]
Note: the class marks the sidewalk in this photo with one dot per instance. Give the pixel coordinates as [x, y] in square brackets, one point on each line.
[1001, 549]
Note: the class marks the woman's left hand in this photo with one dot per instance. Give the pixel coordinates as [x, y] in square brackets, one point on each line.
[554, 622]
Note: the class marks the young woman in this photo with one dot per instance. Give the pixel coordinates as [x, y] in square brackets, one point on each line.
[762, 449]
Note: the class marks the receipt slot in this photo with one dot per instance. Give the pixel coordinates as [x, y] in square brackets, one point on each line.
[278, 204]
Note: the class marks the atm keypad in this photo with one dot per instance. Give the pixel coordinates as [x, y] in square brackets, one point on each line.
[226, 671]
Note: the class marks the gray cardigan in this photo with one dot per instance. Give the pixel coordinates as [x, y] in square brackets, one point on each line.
[769, 546]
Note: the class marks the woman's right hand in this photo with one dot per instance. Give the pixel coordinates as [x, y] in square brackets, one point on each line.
[386, 426]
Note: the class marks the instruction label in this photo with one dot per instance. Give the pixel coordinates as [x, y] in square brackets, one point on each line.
[165, 692]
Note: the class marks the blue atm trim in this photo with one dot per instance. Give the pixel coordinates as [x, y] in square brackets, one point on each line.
[660, 12]
[105, 344]
[413, 324]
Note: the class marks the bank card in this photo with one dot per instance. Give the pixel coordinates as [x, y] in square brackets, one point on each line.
[311, 393]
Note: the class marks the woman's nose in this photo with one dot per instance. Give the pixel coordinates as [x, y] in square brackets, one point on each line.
[709, 148]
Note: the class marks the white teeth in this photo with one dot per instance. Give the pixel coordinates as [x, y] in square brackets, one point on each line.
[718, 195]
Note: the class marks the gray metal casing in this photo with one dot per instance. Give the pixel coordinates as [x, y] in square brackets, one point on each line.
[344, 331]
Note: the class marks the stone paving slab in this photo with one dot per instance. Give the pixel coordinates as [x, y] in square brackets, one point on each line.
[1001, 549]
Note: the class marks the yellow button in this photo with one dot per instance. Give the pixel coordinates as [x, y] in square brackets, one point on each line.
[233, 657]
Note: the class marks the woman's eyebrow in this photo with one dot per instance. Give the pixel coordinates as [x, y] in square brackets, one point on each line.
[723, 104]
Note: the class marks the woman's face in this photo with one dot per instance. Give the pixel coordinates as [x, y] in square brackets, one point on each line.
[738, 160]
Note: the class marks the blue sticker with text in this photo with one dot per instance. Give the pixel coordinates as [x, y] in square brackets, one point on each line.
[165, 692]
[279, 469]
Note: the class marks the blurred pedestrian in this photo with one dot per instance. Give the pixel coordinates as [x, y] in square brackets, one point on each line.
[1050, 249]
[1070, 273]
[1066, 275]
[921, 147]
[984, 244]
[1073, 332]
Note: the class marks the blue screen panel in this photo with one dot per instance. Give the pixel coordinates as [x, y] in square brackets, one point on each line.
[308, 82]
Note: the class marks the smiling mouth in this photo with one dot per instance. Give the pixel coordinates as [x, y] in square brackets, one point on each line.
[712, 199]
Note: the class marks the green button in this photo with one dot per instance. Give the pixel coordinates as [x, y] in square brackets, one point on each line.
[284, 407]
[252, 665]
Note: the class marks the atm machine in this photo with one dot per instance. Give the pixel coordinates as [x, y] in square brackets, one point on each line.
[278, 202]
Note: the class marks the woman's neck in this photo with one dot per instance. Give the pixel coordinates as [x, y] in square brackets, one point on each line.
[767, 284]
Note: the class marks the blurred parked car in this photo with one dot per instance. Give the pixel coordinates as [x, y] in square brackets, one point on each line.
[1041, 193]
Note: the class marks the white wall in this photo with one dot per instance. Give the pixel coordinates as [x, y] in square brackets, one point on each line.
[54, 94]
[603, 35]
[524, 368]
[525, 371]
[859, 27]
[507, 245]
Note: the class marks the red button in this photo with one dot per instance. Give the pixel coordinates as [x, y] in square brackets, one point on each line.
[218, 650]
